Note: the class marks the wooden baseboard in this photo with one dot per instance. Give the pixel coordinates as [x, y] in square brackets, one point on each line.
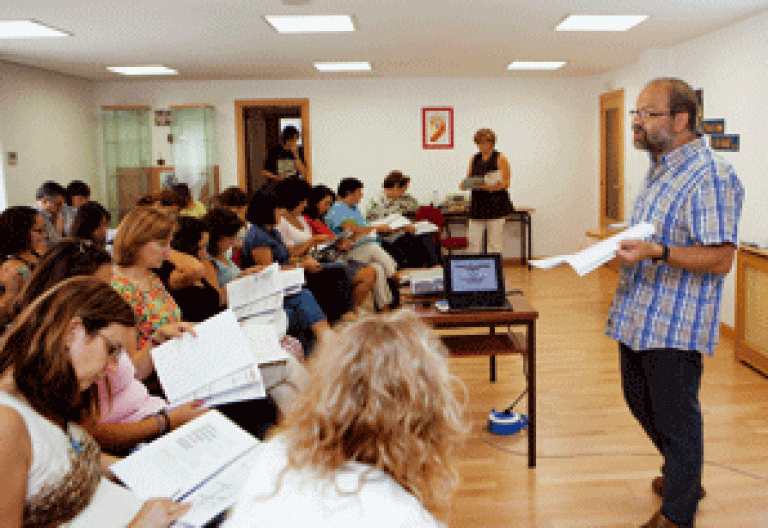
[727, 331]
[513, 262]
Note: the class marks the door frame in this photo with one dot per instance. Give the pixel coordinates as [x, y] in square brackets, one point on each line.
[610, 101]
[241, 104]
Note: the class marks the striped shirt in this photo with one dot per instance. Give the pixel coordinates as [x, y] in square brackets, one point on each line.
[693, 198]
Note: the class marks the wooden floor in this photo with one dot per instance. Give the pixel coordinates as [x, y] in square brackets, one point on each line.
[594, 462]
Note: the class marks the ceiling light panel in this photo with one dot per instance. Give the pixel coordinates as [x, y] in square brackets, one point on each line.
[27, 29]
[600, 22]
[523, 65]
[311, 24]
[342, 66]
[142, 70]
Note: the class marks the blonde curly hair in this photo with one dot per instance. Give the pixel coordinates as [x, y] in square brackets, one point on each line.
[380, 393]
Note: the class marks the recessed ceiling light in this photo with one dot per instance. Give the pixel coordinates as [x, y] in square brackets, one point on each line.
[342, 66]
[311, 24]
[27, 29]
[522, 65]
[142, 70]
[600, 22]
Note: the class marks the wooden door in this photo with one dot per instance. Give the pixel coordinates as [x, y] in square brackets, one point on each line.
[611, 157]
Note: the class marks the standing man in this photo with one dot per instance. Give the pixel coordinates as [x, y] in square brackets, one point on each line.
[665, 313]
[50, 198]
[285, 160]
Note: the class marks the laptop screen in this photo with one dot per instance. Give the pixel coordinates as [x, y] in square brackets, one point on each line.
[474, 275]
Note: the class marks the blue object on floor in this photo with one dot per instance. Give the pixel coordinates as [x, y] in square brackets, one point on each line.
[506, 423]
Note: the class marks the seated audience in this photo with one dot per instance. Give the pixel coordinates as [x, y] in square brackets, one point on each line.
[298, 236]
[263, 246]
[49, 363]
[345, 219]
[198, 295]
[236, 200]
[50, 198]
[332, 283]
[224, 226]
[407, 248]
[371, 439]
[22, 242]
[78, 193]
[189, 206]
[91, 223]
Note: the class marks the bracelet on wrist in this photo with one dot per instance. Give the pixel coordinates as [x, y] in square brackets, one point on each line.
[163, 414]
[664, 257]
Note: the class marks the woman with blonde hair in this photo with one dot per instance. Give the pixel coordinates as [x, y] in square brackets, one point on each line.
[370, 439]
[50, 360]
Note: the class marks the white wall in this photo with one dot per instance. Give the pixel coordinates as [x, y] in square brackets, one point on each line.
[49, 120]
[365, 128]
[731, 66]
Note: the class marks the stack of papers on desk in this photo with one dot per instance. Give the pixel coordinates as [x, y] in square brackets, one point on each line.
[595, 256]
[218, 366]
[204, 463]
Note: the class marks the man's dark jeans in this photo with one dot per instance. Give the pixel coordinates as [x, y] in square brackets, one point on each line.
[661, 387]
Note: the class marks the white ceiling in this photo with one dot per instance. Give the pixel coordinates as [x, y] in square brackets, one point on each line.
[217, 40]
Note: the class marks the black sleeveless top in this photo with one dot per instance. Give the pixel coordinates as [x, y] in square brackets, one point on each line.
[488, 204]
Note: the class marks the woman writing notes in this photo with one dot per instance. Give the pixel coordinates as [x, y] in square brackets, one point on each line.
[490, 199]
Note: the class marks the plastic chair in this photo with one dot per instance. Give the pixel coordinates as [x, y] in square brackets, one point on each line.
[435, 215]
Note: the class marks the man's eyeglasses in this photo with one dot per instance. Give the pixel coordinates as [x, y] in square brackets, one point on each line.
[644, 114]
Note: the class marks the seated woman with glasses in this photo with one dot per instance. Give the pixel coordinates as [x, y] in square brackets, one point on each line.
[50, 360]
[371, 439]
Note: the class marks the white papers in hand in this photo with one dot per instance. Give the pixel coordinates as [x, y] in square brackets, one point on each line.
[187, 461]
[290, 281]
[595, 256]
[250, 288]
[187, 364]
[425, 226]
[394, 221]
[264, 343]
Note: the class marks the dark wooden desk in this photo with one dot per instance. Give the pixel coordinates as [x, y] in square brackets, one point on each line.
[521, 215]
[489, 344]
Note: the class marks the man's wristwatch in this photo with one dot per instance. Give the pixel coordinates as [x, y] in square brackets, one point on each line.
[664, 254]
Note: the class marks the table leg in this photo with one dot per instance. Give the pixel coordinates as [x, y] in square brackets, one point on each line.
[492, 358]
[530, 238]
[531, 330]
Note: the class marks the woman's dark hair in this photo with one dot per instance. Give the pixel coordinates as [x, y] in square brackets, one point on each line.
[349, 185]
[291, 192]
[221, 223]
[317, 195]
[261, 209]
[184, 194]
[68, 258]
[232, 197]
[188, 235]
[88, 219]
[77, 188]
[35, 346]
[289, 133]
[16, 229]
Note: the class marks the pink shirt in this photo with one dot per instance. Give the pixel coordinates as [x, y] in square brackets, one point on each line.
[131, 401]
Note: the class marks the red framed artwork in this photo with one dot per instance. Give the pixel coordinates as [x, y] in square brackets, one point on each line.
[437, 127]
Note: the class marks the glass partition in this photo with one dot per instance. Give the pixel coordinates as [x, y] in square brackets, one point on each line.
[193, 129]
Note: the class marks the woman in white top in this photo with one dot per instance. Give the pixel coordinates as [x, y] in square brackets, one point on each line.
[50, 359]
[298, 236]
[370, 440]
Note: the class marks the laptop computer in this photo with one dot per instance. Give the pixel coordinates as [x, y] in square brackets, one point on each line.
[475, 282]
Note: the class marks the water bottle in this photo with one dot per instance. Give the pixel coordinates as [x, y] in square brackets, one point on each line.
[435, 198]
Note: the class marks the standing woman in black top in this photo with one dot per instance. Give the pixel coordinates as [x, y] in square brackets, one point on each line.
[490, 201]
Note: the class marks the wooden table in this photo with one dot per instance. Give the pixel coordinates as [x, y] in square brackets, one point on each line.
[491, 344]
[521, 215]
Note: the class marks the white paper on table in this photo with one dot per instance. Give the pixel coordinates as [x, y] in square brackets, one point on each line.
[221, 491]
[265, 344]
[250, 288]
[188, 363]
[424, 227]
[178, 462]
[243, 384]
[595, 256]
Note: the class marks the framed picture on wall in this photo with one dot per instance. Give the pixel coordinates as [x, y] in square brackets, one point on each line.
[437, 127]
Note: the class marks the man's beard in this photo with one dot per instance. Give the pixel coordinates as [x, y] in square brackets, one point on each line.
[656, 144]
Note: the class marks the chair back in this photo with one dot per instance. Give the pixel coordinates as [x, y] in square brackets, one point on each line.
[430, 213]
